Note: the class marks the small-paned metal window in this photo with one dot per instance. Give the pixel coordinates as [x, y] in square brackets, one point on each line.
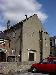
[31, 56]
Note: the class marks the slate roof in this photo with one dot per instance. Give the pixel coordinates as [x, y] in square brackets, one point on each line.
[18, 25]
[2, 35]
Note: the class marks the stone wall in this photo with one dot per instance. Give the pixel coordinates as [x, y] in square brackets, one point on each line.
[12, 67]
[31, 28]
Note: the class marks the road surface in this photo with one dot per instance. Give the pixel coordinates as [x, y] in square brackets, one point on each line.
[28, 73]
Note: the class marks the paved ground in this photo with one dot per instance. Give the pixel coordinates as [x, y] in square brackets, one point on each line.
[28, 73]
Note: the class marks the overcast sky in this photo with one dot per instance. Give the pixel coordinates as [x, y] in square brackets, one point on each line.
[15, 10]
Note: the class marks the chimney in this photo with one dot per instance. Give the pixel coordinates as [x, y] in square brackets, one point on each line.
[8, 24]
[26, 17]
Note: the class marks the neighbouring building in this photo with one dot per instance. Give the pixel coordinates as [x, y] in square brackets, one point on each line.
[27, 41]
[4, 46]
[53, 46]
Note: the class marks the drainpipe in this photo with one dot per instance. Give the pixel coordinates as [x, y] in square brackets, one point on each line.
[20, 52]
[41, 45]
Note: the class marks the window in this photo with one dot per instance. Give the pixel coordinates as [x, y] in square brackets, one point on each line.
[50, 52]
[2, 56]
[31, 56]
[9, 44]
[13, 34]
[45, 61]
[10, 58]
[50, 43]
[13, 52]
[54, 61]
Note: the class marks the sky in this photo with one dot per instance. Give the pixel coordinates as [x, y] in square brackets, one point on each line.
[15, 11]
[49, 8]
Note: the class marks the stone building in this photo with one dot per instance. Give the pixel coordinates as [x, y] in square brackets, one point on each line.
[53, 46]
[28, 41]
[4, 45]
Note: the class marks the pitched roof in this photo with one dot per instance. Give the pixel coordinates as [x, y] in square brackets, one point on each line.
[2, 35]
[18, 25]
[14, 27]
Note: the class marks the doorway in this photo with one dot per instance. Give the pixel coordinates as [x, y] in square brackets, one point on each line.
[2, 57]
